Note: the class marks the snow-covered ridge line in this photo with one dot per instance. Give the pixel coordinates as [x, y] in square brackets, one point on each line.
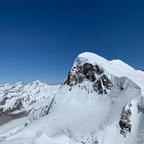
[115, 67]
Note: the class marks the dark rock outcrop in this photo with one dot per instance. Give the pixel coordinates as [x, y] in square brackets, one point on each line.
[125, 122]
[141, 69]
[93, 73]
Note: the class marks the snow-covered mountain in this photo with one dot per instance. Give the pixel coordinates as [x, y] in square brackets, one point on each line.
[100, 102]
[20, 100]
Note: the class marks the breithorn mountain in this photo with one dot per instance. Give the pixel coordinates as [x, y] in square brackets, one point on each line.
[99, 102]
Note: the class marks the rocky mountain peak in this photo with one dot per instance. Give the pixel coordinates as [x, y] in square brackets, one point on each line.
[89, 72]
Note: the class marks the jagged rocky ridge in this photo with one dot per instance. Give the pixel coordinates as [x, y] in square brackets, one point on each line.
[93, 73]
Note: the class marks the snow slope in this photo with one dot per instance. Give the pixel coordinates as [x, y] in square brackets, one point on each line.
[100, 102]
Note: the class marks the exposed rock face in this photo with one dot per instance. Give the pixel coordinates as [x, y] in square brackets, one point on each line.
[140, 108]
[92, 73]
[141, 69]
[125, 122]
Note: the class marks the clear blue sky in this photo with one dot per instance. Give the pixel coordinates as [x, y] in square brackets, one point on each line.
[40, 39]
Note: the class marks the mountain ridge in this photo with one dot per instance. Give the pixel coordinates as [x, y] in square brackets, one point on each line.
[19, 99]
[100, 102]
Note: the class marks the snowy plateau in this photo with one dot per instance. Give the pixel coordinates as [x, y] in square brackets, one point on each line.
[99, 102]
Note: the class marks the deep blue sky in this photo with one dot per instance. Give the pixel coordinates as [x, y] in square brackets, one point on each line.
[40, 39]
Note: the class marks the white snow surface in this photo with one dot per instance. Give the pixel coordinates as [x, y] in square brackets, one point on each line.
[82, 116]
